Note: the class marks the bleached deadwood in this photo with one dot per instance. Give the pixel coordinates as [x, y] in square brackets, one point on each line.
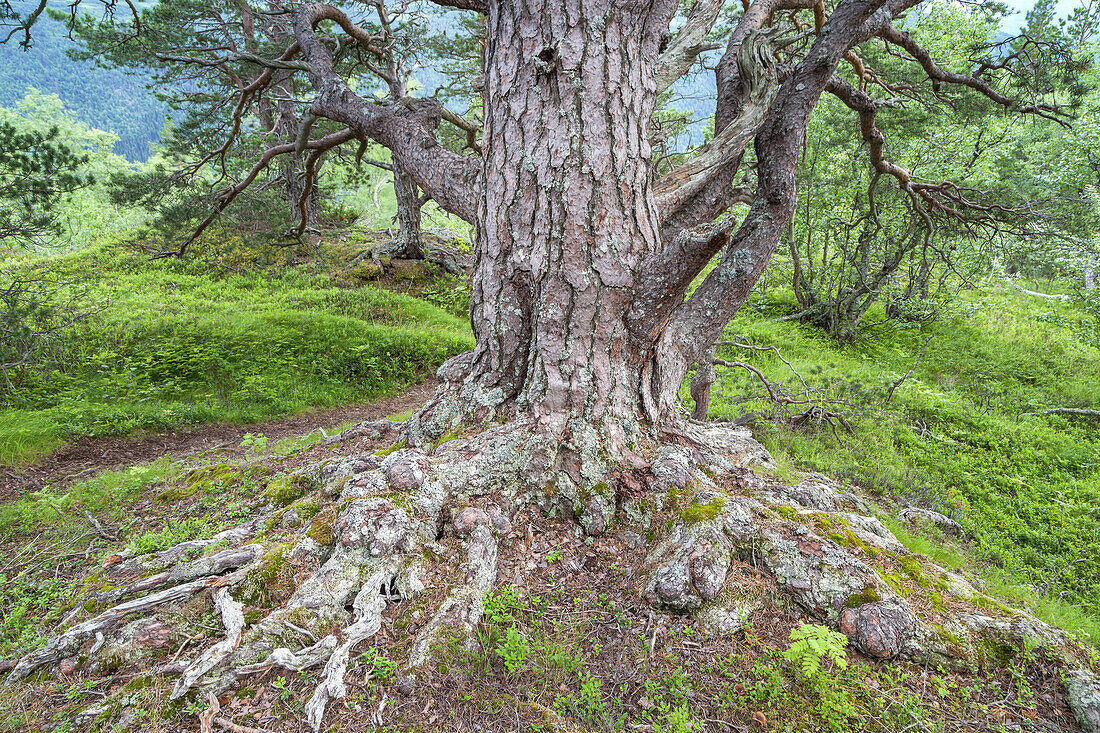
[690, 41]
[232, 614]
[464, 607]
[368, 606]
[68, 642]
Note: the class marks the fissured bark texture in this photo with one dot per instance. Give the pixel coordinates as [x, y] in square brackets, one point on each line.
[568, 214]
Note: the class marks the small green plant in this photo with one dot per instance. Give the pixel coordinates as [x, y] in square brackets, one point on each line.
[380, 668]
[280, 684]
[554, 556]
[678, 720]
[814, 644]
[813, 647]
[514, 650]
[254, 442]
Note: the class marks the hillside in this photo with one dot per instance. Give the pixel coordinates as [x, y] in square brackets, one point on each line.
[169, 344]
[106, 99]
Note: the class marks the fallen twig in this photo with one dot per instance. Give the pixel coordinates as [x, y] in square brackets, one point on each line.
[895, 385]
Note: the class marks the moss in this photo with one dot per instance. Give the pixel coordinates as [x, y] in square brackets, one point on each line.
[701, 512]
[601, 488]
[444, 438]
[322, 529]
[937, 601]
[285, 489]
[398, 499]
[995, 651]
[946, 635]
[391, 449]
[268, 583]
[212, 479]
[847, 538]
[914, 569]
[707, 470]
[787, 512]
[990, 603]
[364, 271]
[140, 682]
[865, 596]
[307, 508]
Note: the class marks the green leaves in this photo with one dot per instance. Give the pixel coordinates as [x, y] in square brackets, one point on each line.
[813, 645]
[36, 171]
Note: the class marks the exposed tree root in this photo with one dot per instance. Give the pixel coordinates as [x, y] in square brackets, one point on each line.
[713, 519]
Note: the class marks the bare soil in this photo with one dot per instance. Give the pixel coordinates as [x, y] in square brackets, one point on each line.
[86, 456]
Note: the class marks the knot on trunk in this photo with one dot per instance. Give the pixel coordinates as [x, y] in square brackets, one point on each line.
[547, 60]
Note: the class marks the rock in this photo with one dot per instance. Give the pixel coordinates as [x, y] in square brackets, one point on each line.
[724, 619]
[873, 532]
[633, 540]
[406, 469]
[949, 526]
[1083, 698]
[374, 523]
[66, 666]
[820, 575]
[290, 519]
[331, 471]
[468, 519]
[880, 629]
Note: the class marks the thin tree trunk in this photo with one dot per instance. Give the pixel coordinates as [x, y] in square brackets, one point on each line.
[409, 239]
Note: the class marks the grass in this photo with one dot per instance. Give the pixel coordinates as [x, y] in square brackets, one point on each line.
[953, 438]
[167, 344]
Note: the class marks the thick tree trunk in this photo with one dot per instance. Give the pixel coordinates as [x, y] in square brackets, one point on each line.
[568, 214]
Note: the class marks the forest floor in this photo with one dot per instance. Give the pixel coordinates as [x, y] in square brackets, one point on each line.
[86, 456]
[568, 643]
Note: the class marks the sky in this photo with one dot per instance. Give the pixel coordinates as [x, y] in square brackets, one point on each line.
[1015, 21]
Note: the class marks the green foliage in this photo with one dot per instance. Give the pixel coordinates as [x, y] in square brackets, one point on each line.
[514, 650]
[38, 168]
[171, 345]
[29, 609]
[380, 667]
[952, 438]
[174, 533]
[108, 493]
[813, 645]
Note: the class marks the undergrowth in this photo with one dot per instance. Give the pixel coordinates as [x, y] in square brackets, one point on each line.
[953, 438]
[171, 342]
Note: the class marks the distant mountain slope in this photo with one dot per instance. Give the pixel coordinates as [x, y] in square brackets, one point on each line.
[104, 98]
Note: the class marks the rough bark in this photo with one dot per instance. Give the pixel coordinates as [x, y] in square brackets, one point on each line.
[568, 214]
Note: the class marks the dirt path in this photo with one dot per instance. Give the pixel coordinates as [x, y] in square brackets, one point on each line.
[84, 457]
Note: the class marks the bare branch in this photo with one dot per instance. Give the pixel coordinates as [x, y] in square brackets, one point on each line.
[227, 196]
[689, 42]
[451, 179]
[898, 383]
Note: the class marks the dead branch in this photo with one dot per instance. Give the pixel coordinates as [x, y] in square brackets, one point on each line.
[1065, 411]
[895, 385]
